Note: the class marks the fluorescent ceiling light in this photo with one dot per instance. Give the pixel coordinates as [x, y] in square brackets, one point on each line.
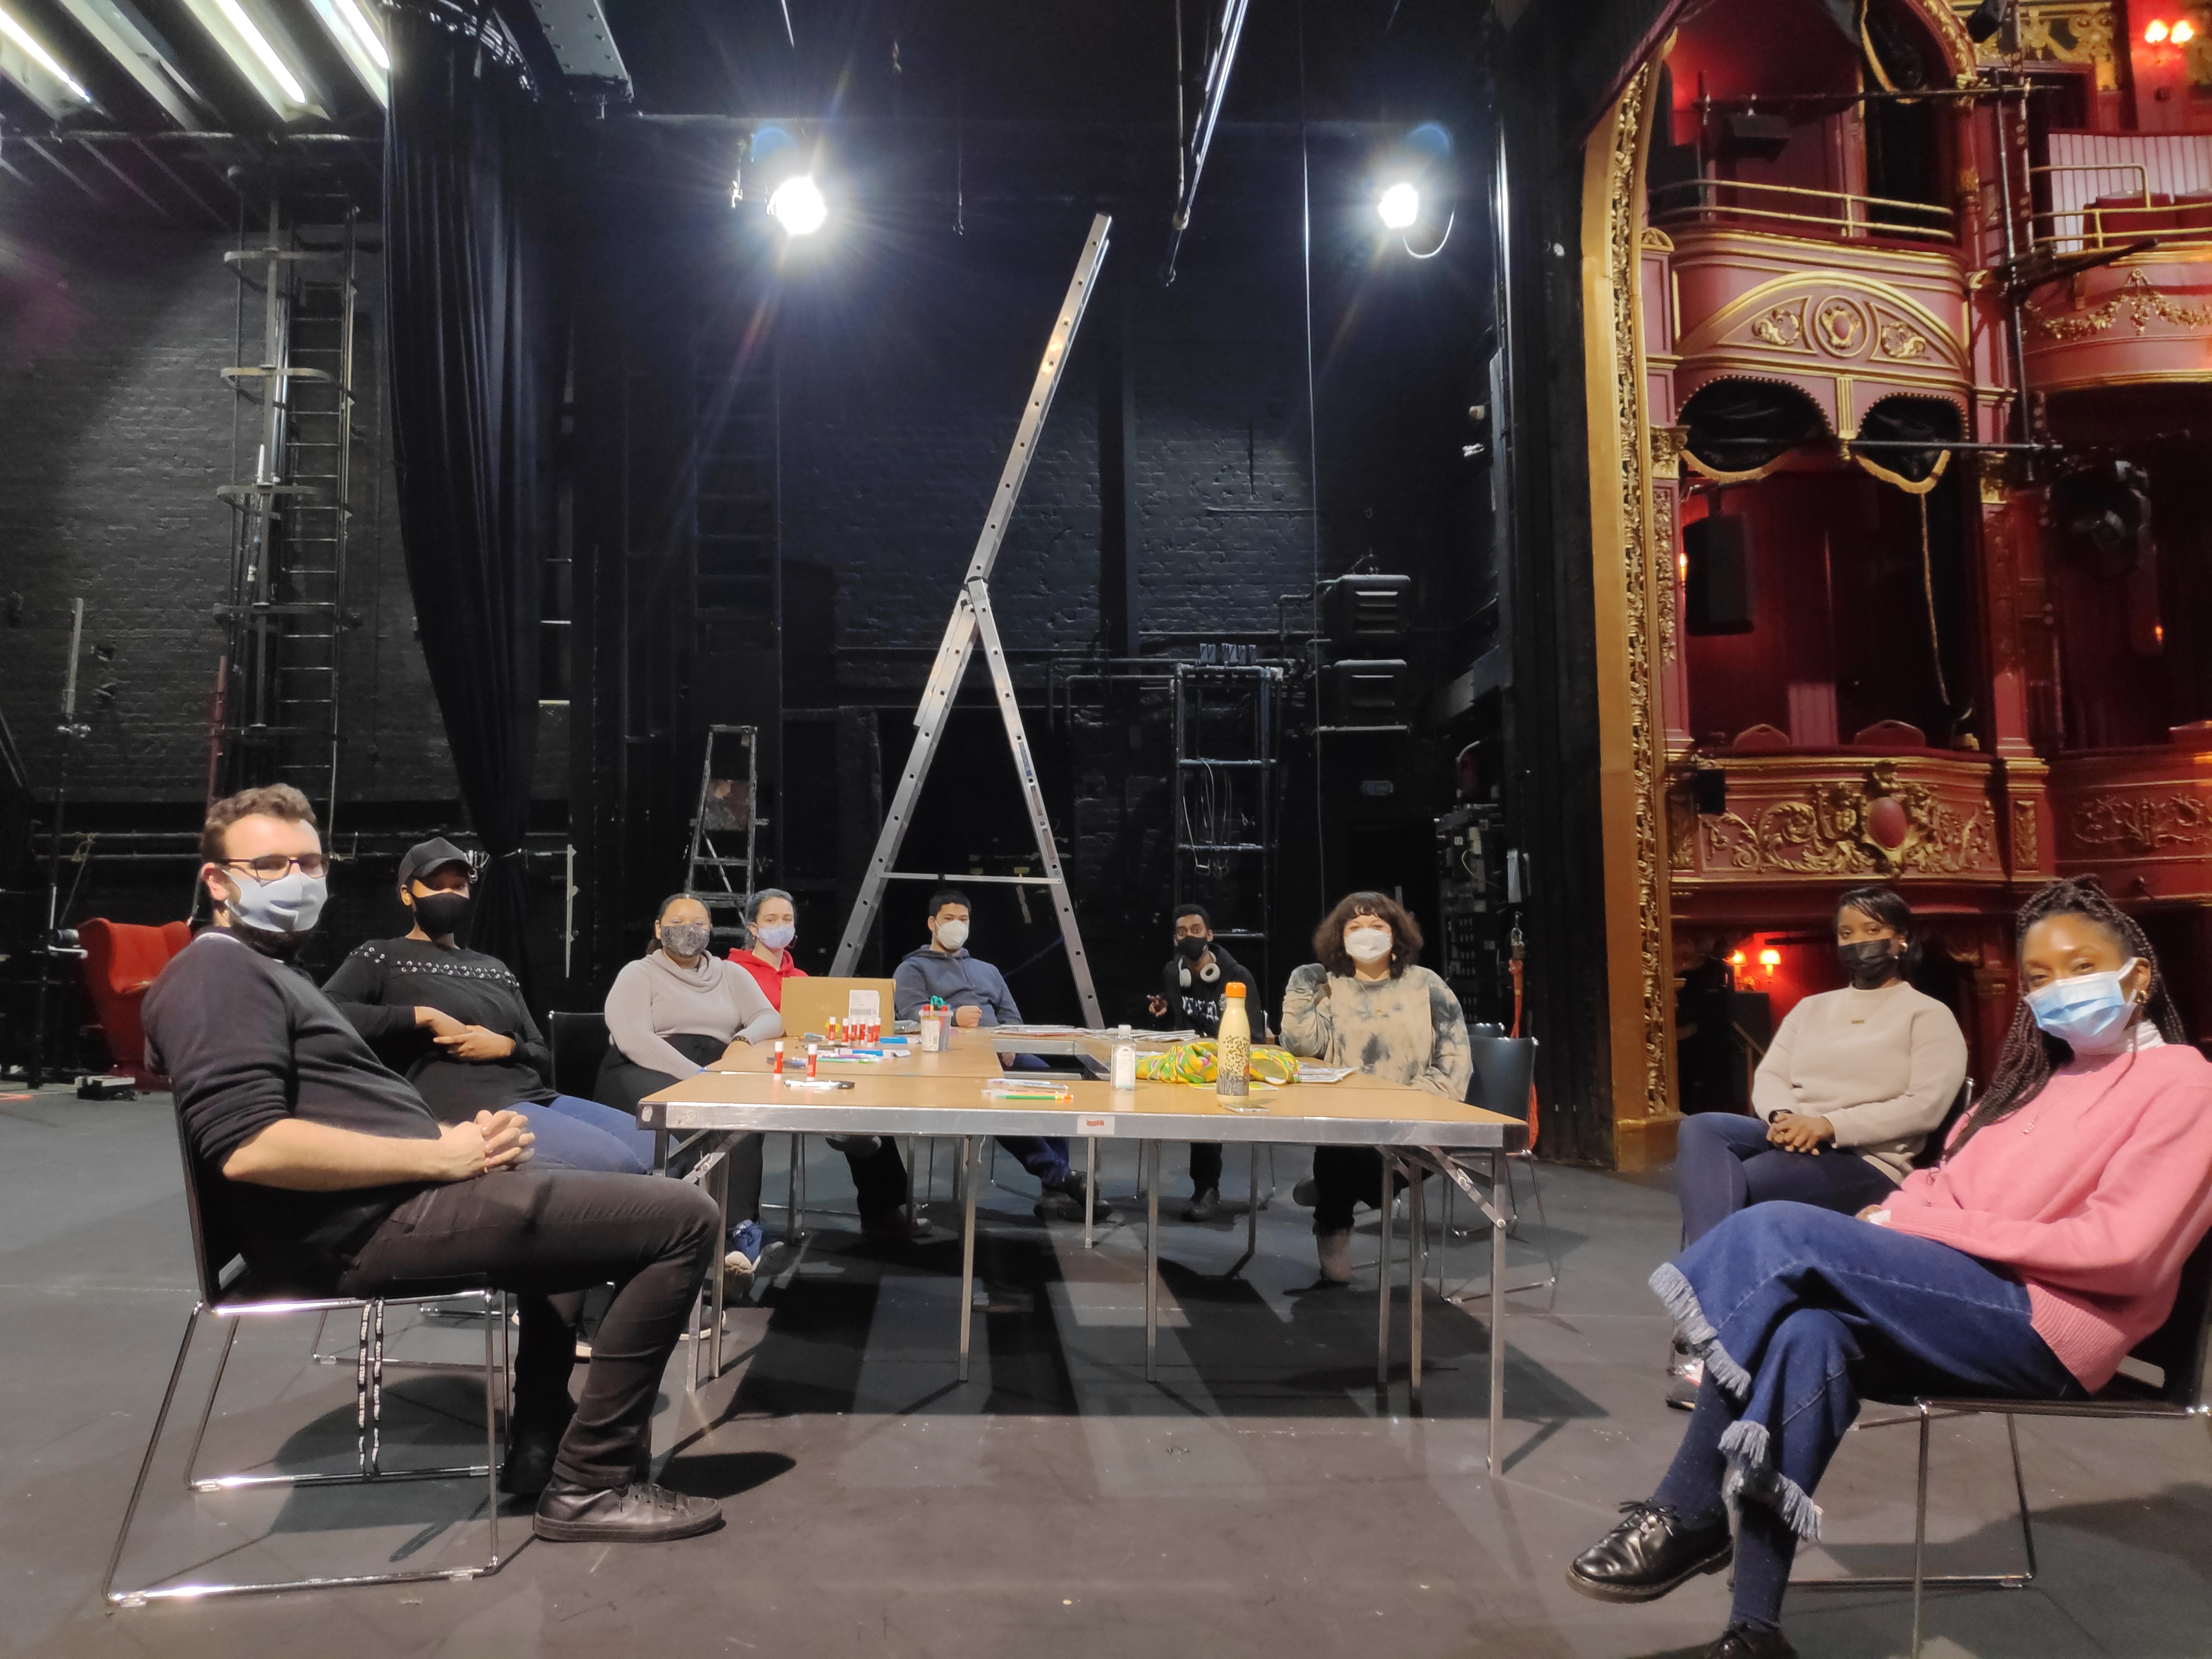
[39, 55]
[258, 43]
[358, 22]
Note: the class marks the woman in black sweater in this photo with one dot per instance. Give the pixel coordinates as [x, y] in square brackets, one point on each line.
[453, 1022]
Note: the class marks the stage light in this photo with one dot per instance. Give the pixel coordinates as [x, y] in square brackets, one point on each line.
[1400, 206]
[798, 206]
[257, 44]
[2182, 32]
[2154, 32]
[39, 55]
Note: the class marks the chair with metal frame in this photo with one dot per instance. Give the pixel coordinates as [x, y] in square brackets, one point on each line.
[226, 1293]
[1504, 1081]
[2176, 1351]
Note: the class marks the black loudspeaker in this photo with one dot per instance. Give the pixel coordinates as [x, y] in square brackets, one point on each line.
[1367, 692]
[1717, 550]
[1370, 611]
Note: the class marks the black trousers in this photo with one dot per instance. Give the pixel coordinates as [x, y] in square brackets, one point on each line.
[1205, 1165]
[541, 1234]
[1344, 1176]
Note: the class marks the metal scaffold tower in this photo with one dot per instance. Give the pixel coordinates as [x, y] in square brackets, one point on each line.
[292, 512]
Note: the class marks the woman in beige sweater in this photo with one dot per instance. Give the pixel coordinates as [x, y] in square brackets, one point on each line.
[1855, 1082]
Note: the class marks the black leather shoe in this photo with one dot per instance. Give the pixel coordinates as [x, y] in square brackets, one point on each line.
[640, 1513]
[529, 1466]
[1649, 1554]
[1065, 1202]
[1204, 1205]
[1750, 1642]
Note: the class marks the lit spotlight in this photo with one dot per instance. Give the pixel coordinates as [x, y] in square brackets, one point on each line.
[797, 205]
[2182, 32]
[1400, 206]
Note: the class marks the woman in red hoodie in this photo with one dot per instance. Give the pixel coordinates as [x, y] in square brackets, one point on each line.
[2048, 1243]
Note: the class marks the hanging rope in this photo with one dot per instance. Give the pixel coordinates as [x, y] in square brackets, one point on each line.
[1921, 491]
[1716, 475]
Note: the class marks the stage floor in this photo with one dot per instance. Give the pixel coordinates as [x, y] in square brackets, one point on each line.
[1261, 1500]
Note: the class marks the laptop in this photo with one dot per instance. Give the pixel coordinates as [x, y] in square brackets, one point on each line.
[810, 1004]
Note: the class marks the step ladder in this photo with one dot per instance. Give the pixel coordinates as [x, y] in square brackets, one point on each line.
[726, 828]
[293, 514]
[972, 620]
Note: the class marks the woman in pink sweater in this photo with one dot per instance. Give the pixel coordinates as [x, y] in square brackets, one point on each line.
[2048, 1243]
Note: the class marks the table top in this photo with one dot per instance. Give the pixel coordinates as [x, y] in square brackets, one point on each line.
[943, 1093]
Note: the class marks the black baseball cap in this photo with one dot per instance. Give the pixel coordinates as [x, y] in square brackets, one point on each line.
[427, 855]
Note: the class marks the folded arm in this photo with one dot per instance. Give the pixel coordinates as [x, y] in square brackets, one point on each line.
[301, 1156]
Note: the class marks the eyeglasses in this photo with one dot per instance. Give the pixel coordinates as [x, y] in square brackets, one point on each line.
[272, 867]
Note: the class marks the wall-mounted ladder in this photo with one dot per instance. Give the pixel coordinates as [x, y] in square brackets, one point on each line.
[292, 512]
[1225, 798]
[725, 831]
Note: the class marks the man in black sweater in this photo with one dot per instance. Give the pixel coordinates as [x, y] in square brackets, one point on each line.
[328, 1173]
[1189, 998]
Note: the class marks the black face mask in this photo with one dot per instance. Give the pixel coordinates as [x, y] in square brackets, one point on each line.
[1870, 962]
[1191, 946]
[440, 914]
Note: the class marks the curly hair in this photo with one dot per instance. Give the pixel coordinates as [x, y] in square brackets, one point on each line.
[1405, 933]
[2029, 1055]
[272, 801]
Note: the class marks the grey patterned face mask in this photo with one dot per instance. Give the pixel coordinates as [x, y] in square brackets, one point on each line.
[685, 938]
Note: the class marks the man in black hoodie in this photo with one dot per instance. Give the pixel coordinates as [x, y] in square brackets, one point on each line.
[1189, 998]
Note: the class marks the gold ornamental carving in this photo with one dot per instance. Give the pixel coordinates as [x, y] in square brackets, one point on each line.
[1829, 832]
[1784, 326]
[2139, 301]
[1901, 342]
[1662, 537]
[1991, 468]
[1839, 326]
[2026, 852]
[1624, 242]
[1668, 443]
[1681, 832]
[2067, 32]
[2139, 826]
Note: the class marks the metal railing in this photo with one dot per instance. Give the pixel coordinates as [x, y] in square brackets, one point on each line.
[2108, 223]
[1827, 213]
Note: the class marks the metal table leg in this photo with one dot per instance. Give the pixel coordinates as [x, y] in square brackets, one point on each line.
[1252, 1207]
[1383, 1286]
[1089, 1185]
[968, 1174]
[1151, 1260]
[913, 1209]
[1416, 1270]
[1496, 1312]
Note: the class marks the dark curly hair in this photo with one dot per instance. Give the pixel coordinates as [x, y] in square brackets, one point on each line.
[2030, 1056]
[1405, 933]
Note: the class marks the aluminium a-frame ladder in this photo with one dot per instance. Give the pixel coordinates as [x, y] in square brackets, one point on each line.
[972, 619]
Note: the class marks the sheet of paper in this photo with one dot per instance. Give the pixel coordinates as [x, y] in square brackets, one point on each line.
[1325, 1073]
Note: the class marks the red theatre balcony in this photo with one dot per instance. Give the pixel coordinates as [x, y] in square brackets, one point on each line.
[1827, 820]
[2145, 317]
[2139, 818]
[1848, 322]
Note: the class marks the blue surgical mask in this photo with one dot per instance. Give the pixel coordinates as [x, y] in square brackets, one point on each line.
[289, 904]
[778, 938]
[2089, 1013]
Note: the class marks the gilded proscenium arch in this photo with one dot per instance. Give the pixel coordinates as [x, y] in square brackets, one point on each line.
[1639, 969]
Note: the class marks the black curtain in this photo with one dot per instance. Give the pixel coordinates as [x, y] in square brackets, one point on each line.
[474, 299]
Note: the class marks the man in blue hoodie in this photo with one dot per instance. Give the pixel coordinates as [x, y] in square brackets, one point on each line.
[976, 994]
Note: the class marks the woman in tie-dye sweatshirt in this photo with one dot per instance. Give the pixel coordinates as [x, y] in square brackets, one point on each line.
[1365, 1004]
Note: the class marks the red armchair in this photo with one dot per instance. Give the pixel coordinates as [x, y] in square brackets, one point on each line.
[120, 961]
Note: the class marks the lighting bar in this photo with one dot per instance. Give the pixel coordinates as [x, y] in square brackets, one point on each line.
[255, 41]
[258, 43]
[358, 43]
[39, 55]
[145, 56]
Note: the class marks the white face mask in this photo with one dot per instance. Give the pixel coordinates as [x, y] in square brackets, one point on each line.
[290, 904]
[951, 935]
[1367, 944]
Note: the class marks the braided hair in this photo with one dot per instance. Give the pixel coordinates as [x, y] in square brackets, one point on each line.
[2030, 1056]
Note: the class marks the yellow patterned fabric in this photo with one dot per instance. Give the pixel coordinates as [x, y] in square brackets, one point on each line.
[1199, 1062]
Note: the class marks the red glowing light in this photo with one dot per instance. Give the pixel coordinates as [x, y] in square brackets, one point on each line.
[2156, 32]
[1735, 958]
[1770, 959]
[2182, 32]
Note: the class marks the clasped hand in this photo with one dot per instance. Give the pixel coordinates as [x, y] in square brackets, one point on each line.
[1795, 1133]
[495, 1141]
[464, 1041]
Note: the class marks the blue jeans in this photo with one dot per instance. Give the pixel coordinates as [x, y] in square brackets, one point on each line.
[1724, 1162]
[1044, 1157]
[1799, 1313]
[582, 1134]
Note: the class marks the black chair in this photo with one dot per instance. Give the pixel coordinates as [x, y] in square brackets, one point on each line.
[578, 1043]
[1503, 1073]
[2174, 1354]
[226, 1292]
